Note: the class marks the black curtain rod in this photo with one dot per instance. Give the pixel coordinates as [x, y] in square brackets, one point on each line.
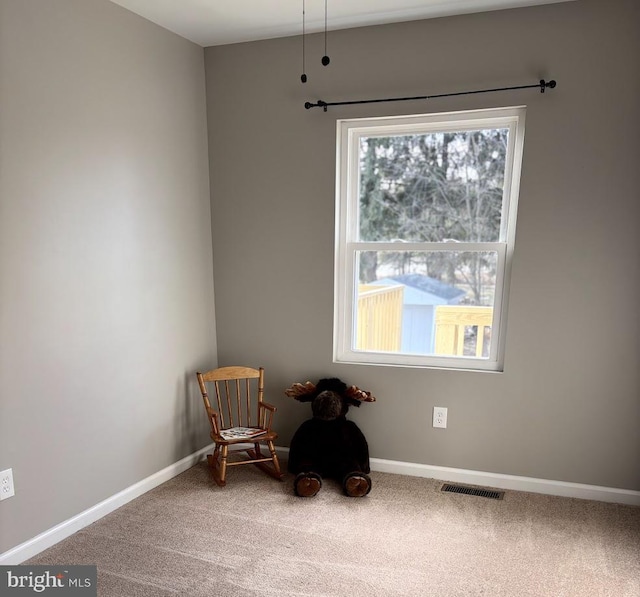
[542, 85]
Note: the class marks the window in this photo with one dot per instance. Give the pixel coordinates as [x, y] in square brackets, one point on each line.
[426, 209]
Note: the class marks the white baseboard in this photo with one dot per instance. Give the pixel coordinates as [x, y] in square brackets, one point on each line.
[44, 540]
[500, 481]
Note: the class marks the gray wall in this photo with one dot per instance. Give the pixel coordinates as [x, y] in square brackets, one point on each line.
[106, 293]
[567, 405]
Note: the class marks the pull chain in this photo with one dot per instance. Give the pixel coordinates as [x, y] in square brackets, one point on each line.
[325, 58]
[303, 77]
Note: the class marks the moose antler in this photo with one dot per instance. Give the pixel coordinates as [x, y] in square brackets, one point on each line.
[356, 393]
[298, 390]
[305, 393]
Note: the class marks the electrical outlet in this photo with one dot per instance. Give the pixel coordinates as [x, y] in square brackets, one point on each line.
[440, 416]
[6, 484]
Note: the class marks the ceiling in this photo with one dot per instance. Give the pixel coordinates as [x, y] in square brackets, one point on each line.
[219, 22]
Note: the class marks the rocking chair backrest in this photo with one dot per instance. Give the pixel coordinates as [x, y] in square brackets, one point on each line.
[236, 394]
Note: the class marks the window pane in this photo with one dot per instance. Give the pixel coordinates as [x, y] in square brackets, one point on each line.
[432, 186]
[425, 302]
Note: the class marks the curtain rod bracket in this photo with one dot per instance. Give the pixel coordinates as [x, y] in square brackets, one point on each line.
[324, 105]
[544, 84]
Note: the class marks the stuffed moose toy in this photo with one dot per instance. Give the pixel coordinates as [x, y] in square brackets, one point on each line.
[328, 445]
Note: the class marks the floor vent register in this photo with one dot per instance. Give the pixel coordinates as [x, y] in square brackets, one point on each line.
[486, 493]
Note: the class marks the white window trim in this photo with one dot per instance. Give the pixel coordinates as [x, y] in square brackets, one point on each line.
[347, 180]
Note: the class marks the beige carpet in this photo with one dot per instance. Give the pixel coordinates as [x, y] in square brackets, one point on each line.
[254, 538]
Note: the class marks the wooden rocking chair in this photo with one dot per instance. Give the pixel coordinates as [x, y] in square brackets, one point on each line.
[240, 416]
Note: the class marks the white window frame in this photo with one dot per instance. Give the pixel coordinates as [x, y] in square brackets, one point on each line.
[347, 243]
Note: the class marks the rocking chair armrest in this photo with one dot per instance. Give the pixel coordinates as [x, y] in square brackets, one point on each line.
[213, 418]
[266, 421]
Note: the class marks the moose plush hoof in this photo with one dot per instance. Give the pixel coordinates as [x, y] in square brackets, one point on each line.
[307, 484]
[356, 484]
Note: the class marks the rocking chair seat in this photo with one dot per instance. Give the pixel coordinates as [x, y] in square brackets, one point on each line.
[267, 435]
